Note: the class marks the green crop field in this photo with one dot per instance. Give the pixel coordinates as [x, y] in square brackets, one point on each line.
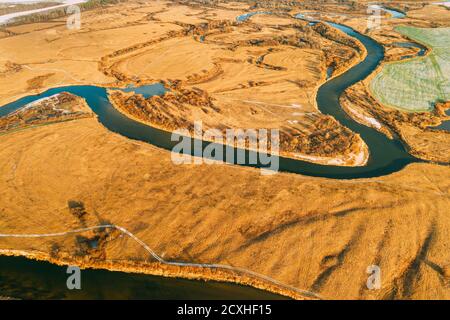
[417, 84]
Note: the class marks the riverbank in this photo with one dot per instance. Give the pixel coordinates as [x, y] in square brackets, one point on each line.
[168, 271]
[417, 130]
[357, 156]
[207, 221]
[304, 125]
[30, 279]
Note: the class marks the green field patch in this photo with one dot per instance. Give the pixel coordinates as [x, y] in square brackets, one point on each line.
[417, 84]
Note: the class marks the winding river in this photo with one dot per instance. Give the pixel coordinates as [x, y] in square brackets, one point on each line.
[386, 156]
[422, 50]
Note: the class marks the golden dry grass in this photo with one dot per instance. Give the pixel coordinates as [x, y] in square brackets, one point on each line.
[172, 59]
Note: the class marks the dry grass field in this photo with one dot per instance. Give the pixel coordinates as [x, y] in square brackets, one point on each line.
[274, 225]
[315, 234]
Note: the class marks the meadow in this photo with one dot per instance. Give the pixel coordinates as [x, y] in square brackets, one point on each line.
[417, 84]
